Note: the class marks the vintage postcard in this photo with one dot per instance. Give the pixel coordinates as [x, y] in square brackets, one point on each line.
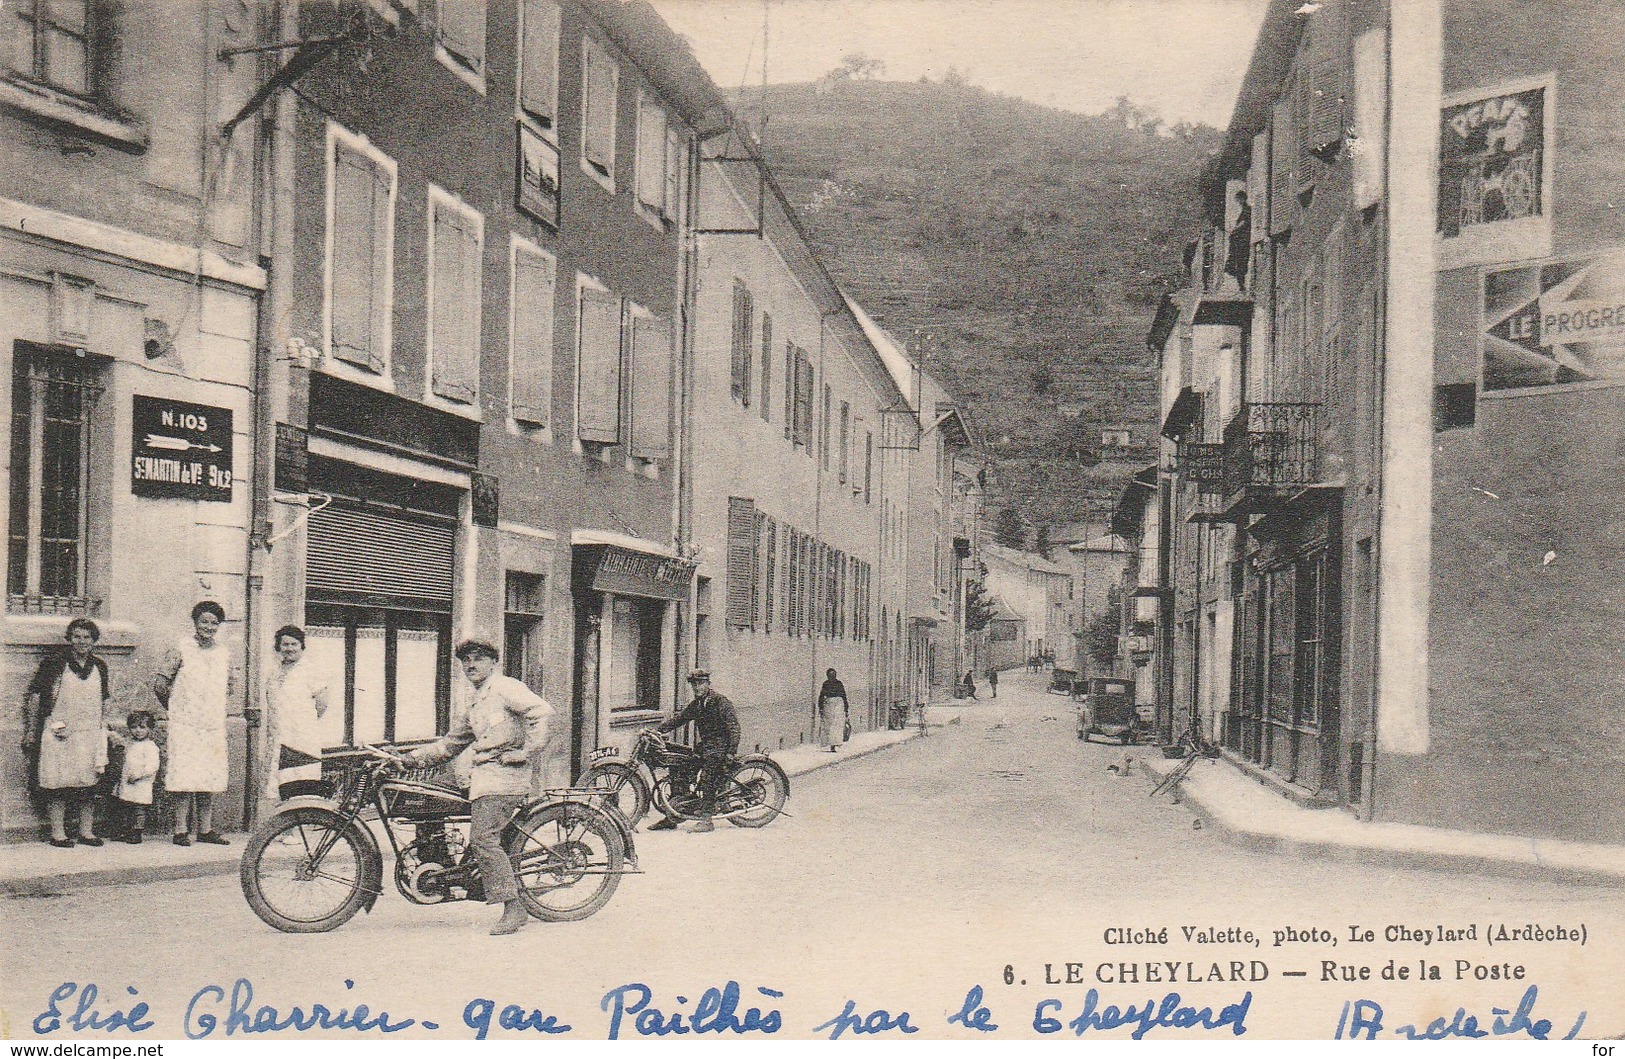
[797, 520]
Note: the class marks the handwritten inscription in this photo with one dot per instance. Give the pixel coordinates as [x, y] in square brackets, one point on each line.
[1363, 1020]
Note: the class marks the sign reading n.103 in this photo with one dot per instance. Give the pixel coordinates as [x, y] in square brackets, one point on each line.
[180, 450]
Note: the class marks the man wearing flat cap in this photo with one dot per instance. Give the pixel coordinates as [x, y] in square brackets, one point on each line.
[507, 724]
[717, 727]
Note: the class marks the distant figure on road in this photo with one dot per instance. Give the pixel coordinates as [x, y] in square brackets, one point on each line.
[832, 710]
[969, 685]
[993, 681]
[1033, 662]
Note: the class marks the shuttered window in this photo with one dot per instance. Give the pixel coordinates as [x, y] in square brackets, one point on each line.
[1370, 102]
[741, 562]
[674, 171]
[744, 313]
[770, 572]
[803, 400]
[372, 554]
[845, 464]
[601, 83]
[824, 429]
[651, 387]
[454, 311]
[868, 465]
[598, 374]
[1328, 59]
[1258, 188]
[358, 280]
[791, 374]
[460, 30]
[1283, 162]
[652, 156]
[539, 48]
[531, 356]
[767, 366]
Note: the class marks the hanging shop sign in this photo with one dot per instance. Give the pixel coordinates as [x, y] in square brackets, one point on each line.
[625, 572]
[1560, 322]
[180, 450]
[1204, 465]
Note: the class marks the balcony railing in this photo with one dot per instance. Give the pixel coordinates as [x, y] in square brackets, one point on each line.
[1271, 446]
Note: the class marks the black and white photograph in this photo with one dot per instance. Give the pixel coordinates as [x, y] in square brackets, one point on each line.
[563, 521]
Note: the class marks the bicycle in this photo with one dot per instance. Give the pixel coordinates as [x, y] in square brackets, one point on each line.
[315, 862]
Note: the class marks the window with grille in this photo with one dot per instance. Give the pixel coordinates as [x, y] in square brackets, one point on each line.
[53, 44]
[53, 393]
[744, 317]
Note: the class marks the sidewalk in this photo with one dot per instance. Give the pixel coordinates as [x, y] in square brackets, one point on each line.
[1248, 814]
[37, 869]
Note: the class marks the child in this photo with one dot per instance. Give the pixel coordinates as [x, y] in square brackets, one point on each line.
[140, 767]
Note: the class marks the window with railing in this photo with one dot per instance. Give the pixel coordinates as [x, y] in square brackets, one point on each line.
[53, 393]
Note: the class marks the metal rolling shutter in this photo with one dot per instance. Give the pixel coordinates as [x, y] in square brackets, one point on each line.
[371, 553]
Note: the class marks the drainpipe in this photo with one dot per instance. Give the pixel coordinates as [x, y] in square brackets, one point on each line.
[682, 478]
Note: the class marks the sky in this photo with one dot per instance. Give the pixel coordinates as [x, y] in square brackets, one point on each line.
[1182, 59]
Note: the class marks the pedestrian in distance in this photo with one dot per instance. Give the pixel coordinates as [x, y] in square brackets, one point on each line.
[65, 730]
[834, 711]
[993, 681]
[716, 725]
[296, 697]
[508, 725]
[141, 761]
[194, 684]
[969, 687]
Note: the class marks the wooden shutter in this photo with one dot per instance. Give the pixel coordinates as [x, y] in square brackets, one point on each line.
[674, 170]
[360, 269]
[538, 93]
[1370, 102]
[741, 561]
[1283, 160]
[598, 393]
[868, 464]
[770, 571]
[454, 340]
[598, 140]
[462, 30]
[532, 367]
[790, 377]
[767, 365]
[804, 397]
[652, 155]
[651, 387]
[1258, 187]
[1328, 59]
[739, 364]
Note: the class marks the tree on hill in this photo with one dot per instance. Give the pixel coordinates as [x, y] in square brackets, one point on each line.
[1008, 530]
[1041, 541]
[860, 67]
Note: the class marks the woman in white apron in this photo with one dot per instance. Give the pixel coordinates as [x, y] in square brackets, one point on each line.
[64, 724]
[195, 686]
[296, 699]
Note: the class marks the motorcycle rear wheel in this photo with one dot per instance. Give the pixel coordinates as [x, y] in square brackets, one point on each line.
[630, 795]
[567, 859]
[282, 886]
[762, 786]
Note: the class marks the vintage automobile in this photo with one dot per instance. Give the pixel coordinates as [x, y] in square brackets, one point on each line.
[1108, 711]
[1061, 681]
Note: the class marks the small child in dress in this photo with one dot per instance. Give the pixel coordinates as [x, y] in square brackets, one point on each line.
[140, 768]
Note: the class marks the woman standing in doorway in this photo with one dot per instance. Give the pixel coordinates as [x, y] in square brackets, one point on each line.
[63, 719]
[195, 685]
[297, 700]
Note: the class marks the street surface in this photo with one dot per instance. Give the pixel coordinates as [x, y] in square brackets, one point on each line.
[900, 881]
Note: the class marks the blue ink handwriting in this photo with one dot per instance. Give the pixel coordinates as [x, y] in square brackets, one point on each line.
[1164, 1013]
[85, 1016]
[876, 1022]
[1362, 1020]
[477, 1017]
[716, 1012]
[242, 1017]
[973, 1015]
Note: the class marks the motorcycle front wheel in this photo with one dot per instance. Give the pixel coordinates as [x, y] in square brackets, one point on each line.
[628, 793]
[755, 794]
[304, 871]
[567, 860]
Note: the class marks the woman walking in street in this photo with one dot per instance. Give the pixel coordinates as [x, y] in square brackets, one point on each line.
[194, 685]
[64, 723]
[832, 710]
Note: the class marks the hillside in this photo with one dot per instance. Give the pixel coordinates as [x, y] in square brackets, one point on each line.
[1018, 251]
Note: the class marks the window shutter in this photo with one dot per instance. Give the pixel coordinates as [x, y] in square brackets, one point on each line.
[532, 369]
[1370, 101]
[770, 573]
[791, 374]
[538, 95]
[598, 141]
[1283, 157]
[804, 397]
[1328, 52]
[674, 171]
[598, 395]
[868, 464]
[767, 365]
[359, 273]
[455, 352]
[739, 363]
[651, 387]
[652, 155]
[1258, 187]
[741, 560]
[1305, 167]
[462, 30]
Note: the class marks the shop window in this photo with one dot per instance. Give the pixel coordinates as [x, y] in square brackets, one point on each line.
[53, 393]
[635, 645]
[1455, 405]
[522, 628]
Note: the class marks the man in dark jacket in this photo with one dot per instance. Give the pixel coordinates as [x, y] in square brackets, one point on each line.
[716, 727]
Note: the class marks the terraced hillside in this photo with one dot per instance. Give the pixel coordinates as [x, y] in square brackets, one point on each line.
[1017, 250]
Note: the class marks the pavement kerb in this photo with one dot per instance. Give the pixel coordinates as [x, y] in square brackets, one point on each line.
[1213, 818]
[18, 880]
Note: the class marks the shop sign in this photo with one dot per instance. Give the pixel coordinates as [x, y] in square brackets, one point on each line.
[624, 572]
[1490, 153]
[1204, 465]
[180, 450]
[1560, 322]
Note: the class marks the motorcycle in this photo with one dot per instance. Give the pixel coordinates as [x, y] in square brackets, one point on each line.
[665, 774]
[315, 862]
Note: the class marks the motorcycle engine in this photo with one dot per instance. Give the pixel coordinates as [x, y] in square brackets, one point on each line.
[420, 870]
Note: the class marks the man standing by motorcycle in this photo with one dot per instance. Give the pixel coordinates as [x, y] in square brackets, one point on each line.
[717, 728]
[508, 725]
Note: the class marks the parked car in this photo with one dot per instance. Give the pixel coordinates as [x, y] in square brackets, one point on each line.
[1061, 680]
[1108, 711]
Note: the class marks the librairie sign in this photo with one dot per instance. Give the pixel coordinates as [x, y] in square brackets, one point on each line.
[180, 450]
